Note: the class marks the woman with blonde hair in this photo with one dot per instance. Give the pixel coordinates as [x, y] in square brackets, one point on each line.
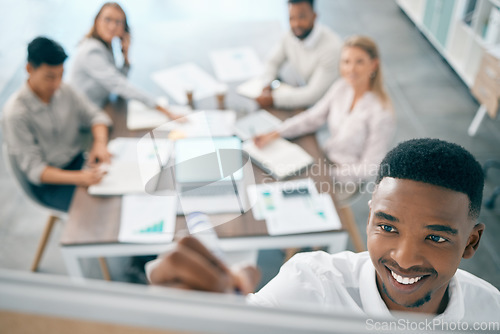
[357, 112]
[94, 71]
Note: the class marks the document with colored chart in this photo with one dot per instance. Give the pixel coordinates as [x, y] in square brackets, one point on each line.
[148, 219]
[293, 207]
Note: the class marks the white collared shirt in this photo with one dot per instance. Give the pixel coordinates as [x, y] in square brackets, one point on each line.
[346, 281]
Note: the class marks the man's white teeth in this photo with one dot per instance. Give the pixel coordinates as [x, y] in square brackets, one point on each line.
[405, 280]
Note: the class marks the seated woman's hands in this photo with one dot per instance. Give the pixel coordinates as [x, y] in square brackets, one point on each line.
[262, 140]
[191, 266]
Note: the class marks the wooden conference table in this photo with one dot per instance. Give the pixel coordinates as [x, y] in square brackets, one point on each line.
[93, 222]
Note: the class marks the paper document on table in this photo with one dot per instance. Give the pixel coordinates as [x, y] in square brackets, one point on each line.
[256, 123]
[177, 80]
[141, 117]
[293, 207]
[148, 219]
[251, 88]
[236, 64]
[205, 123]
[134, 163]
[280, 158]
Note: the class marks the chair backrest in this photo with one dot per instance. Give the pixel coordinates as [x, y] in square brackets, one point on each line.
[22, 182]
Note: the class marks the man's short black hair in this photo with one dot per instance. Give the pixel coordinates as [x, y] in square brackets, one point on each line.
[311, 2]
[43, 50]
[439, 163]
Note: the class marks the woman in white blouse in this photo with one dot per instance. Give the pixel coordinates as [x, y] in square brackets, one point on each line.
[357, 111]
[94, 71]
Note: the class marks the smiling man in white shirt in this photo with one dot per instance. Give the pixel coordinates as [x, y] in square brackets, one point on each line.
[422, 222]
[306, 61]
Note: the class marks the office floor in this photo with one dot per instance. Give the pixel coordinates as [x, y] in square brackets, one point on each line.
[429, 98]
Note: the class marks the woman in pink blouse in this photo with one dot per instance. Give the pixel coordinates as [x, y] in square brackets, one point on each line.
[357, 111]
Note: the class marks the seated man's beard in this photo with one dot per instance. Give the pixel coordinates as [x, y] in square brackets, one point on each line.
[304, 34]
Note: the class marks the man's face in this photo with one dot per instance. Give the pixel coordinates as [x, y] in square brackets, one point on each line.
[302, 18]
[45, 80]
[417, 235]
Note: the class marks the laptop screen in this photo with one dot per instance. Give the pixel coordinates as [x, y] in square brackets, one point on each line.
[208, 159]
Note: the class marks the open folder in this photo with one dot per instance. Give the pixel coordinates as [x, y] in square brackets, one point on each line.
[280, 158]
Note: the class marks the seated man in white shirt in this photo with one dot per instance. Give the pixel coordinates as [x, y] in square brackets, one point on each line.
[422, 222]
[306, 61]
[41, 127]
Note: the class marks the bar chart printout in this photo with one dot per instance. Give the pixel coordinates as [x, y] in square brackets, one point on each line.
[147, 219]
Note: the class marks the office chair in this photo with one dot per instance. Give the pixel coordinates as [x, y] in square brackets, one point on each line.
[54, 215]
[490, 202]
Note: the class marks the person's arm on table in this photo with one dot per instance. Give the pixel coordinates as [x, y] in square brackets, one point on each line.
[115, 80]
[99, 152]
[273, 64]
[262, 140]
[191, 266]
[99, 122]
[84, 177]
[30, 158]
[320, 81]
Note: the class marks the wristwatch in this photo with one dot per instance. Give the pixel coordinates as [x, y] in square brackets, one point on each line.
[275, 84]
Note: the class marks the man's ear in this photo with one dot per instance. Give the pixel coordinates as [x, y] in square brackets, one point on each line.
[473, 242]
[29, 68]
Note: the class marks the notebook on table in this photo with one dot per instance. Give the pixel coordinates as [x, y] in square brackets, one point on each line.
[280, 158]
[256, 123]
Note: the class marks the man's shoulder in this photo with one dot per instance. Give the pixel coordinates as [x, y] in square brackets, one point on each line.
[474, 285]
[481, 299]
[15, 106]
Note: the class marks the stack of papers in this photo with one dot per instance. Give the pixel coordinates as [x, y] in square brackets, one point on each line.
[141, 117]
[147, 219]
[293, 207]
[280, 158]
